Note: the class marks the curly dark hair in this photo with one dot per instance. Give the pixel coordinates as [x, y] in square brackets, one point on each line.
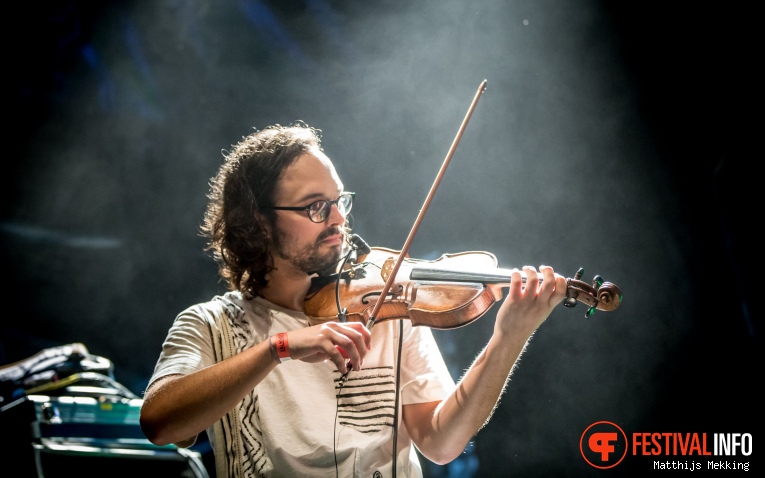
[241, 194]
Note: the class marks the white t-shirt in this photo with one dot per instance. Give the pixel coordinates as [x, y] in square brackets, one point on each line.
[288, 423]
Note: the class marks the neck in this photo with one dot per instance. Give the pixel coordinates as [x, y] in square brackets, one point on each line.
[287, 289]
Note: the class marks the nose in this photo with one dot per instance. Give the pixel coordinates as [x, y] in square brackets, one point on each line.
[335, 216]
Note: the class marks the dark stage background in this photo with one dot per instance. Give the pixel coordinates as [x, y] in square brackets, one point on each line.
[614, 136]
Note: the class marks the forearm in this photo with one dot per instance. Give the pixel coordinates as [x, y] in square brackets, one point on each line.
[178, 408]
[458, 418]
[443, 433]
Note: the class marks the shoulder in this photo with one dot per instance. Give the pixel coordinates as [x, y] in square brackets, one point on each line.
[229, 304]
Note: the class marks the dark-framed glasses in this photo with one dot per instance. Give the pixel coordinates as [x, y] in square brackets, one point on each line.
[318, 211]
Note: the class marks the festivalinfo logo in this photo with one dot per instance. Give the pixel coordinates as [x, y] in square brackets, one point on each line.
[604, 445]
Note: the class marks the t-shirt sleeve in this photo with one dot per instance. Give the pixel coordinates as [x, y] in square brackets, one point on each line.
[186, 348]
[426, 377]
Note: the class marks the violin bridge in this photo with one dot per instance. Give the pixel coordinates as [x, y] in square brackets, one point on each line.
[396, 290]
[387, 269]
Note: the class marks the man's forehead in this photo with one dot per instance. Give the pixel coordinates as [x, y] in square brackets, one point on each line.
[311, 175]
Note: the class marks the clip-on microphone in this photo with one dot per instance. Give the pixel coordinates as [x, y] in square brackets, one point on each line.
[358, 245]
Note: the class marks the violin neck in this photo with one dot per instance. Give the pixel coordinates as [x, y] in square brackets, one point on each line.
[429, 273]
[598, 295]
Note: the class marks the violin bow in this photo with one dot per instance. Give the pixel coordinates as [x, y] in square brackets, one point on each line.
[405, 250]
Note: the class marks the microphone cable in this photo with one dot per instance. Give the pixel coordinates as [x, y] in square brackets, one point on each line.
[358, 244]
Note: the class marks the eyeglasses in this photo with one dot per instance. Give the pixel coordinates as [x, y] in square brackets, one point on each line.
[318, 211]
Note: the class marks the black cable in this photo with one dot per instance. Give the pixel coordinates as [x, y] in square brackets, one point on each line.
[341, 315]
[398, 382]
[334, 432]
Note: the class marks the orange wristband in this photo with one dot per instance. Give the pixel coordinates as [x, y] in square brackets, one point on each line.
[282, 346]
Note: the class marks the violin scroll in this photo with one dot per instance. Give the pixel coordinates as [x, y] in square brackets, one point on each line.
[599, 295]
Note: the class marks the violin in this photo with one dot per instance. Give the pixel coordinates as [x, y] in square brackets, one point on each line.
[449, 292]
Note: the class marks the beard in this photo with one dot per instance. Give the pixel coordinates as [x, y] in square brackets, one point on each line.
[307, 258]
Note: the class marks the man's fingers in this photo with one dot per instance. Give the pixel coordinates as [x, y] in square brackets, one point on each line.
[350, 342]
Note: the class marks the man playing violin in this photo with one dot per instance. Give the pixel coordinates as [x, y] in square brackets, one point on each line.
[279, 396]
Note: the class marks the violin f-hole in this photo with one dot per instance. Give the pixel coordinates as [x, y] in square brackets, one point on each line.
[399, 290]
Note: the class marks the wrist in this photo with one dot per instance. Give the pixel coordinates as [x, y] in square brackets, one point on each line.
[280, 347]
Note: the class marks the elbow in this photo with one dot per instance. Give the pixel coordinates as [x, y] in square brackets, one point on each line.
[153, 431]
[441, 455]
[159, 438]
[441, 459]
[159, 432]
[157, 420]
